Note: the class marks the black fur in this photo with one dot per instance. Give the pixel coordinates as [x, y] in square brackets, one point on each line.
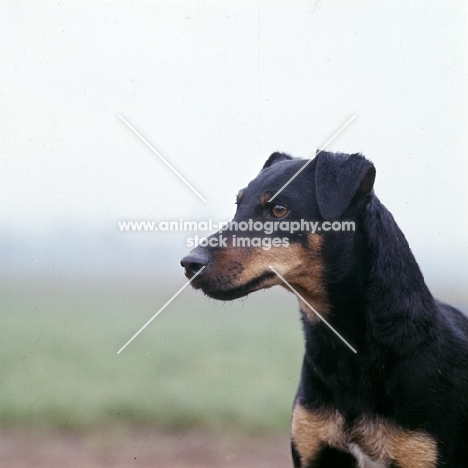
[334, 458]
[338, 177]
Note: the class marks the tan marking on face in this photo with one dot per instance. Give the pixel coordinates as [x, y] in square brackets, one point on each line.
[385, 442]
[240, 196]
[312, 430]
[300, 266]
[311, 286]
[264, 198]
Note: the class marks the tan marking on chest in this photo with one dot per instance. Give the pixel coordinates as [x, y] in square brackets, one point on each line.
[381, 441]
[311, 431]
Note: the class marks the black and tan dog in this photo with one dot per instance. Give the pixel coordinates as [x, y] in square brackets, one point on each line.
[402, 399]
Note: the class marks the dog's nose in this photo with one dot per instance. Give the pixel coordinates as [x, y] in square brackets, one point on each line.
[194, 262]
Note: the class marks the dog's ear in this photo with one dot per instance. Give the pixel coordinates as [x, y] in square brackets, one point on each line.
[338, 177]
[276, 158]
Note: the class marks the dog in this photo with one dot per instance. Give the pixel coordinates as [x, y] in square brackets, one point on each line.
[400, 400]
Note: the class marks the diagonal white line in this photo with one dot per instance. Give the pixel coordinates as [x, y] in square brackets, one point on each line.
[312, 158]
[160, 310]
[159, 156]
[312, 309]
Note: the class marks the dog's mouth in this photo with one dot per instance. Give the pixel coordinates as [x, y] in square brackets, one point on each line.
[228, 274]
[221, 289]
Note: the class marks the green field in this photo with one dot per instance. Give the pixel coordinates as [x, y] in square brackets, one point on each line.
[224, 367]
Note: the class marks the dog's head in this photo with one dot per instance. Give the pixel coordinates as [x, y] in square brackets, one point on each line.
[298, 232]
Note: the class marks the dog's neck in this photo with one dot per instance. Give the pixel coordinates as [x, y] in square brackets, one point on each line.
[395, 291]
[383, 288]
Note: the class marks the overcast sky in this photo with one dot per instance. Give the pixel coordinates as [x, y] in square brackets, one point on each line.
[216, 87]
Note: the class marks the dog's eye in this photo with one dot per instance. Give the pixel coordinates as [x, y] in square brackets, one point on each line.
[279, 211]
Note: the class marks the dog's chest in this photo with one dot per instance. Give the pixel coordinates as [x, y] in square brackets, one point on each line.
[363, 460]
[374, 442]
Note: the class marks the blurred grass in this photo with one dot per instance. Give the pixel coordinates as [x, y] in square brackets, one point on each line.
[226, 367]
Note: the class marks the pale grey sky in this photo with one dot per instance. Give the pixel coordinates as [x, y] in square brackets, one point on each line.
[216, 87]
